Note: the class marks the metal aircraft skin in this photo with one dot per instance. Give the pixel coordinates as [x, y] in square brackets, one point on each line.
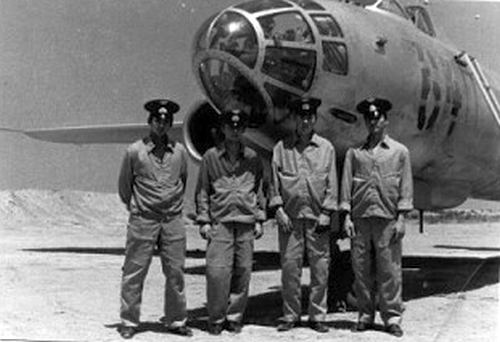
[264, 53]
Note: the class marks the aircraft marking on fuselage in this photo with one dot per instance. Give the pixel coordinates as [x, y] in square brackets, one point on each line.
[439, 89]
[425, 91]
[456, 97]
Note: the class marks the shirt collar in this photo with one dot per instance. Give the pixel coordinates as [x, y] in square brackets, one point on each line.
[384, 143]
[150, 143]
[222, 151]
[314, 141]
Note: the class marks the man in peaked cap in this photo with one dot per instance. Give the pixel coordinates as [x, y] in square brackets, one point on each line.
[306, 106]
[304, 195]
[230, 213]
[376, 193]
[236, 119]
[151, 184]
[374, 107]
[161, 109]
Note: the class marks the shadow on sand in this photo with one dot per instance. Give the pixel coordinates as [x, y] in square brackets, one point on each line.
[422, 277]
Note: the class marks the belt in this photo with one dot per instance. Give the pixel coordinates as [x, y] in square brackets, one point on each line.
[159, 217]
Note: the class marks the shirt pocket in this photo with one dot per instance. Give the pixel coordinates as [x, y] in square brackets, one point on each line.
[289, 181]
[142, 166]
[319, 180]
[358, 181]
[391, 182]
[359, 187]
[247, 196]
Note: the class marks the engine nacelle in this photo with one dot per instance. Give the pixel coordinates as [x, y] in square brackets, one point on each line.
[201, 129]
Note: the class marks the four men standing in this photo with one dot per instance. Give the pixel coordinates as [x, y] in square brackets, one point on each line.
[376, 192]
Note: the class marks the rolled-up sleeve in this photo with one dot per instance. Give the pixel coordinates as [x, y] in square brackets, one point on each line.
[405, 202]
[346, 186]
[125, 179]
[202, 194]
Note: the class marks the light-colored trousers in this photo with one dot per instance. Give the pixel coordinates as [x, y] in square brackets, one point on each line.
[292, 247]
[377, 277]
[229, 259]
[143, 237]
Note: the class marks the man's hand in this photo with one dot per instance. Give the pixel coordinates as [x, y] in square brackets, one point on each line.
[258, 230]
[283, 220]
[205, 230]
[399, 229]
[349, 227]
[323, 224]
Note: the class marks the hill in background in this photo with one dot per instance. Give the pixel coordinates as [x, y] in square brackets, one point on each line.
[84, 208]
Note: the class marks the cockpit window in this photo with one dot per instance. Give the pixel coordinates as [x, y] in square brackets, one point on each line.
[288, 27]
[294, 67]
[309, 5]
[281, 100]
[393, 7]
[327, 26]
[262, 5]
[229, 89]
[233, 33]
[335, 57]
[421, 19]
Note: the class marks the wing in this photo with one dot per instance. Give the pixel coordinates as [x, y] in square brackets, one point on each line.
[102, 134]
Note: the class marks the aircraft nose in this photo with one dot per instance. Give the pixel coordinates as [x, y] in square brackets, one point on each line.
[225, 53]
[260, 53]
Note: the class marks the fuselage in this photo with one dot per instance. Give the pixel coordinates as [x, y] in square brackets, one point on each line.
[266, 53]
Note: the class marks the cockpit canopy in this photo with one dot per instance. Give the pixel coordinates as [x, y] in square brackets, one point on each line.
[261, 54]
[284, 42]
[234, 34]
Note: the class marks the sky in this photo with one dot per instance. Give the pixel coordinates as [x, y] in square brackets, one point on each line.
[89, 62]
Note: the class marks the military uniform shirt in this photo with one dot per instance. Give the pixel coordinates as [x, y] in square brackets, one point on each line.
[304, 183]
[150, 186]
[377, 183]
[229, 192]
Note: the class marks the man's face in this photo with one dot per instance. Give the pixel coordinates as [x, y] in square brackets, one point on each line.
[233, 133]
[305, 124]
[237, 100]
[376, 125]
[160, 125]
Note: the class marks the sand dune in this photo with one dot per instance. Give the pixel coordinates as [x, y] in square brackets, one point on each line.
[62, 206]
[90, 208]
[65, 206]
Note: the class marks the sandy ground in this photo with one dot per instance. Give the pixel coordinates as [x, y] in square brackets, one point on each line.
[61, 254]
